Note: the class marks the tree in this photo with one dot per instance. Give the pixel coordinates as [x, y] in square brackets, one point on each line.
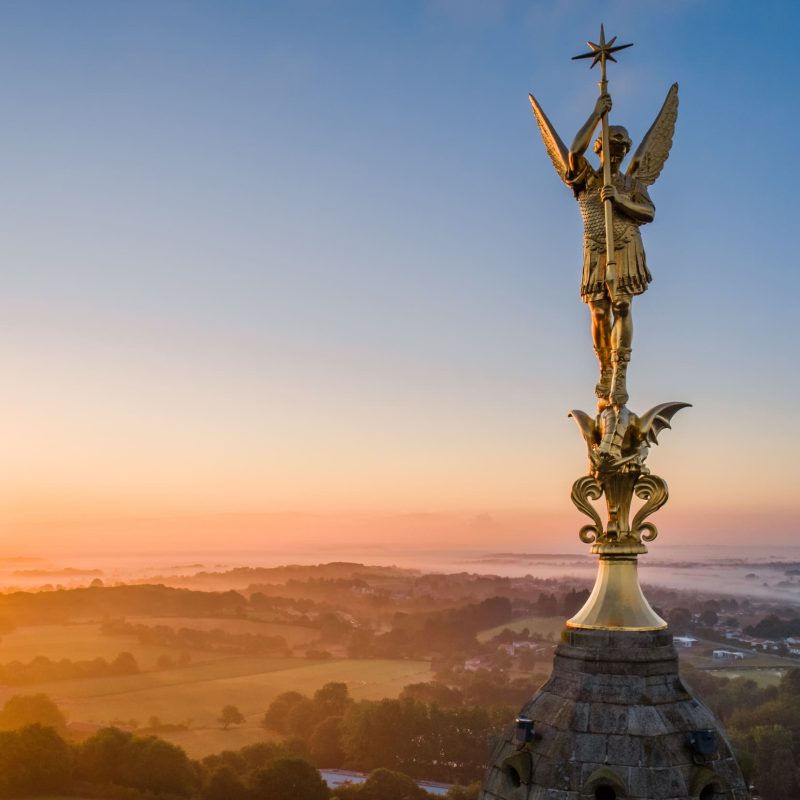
[301, 719]
[142, 762]
[325, 743]
[98, 757]
[222, 784]
[433, 692]
[288, 779]
[773, 758]
[385, 784]
[33, 760]
[230, 715]
[458, 792]
[332, 700]
[387, 733]
[680, 619]
[709, 617]
[124, 664]
[155, 765]
[29, 709]
[275, 718]
[790, 682]
[573, 601]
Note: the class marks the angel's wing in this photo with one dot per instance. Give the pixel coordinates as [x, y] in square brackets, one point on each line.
[649, 158]
[654, 420]
[555, 147]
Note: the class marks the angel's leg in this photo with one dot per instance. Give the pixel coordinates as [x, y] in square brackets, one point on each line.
[601, 336]
[621, 341]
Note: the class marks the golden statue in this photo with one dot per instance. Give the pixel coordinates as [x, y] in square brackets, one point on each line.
[614, 205]
[614, 265]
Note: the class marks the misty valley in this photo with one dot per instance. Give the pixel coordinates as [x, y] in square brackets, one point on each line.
[391, 681]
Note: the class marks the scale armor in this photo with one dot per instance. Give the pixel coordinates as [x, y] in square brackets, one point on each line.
[632, 274]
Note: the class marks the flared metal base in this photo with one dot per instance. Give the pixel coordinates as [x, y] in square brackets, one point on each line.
[617, 602]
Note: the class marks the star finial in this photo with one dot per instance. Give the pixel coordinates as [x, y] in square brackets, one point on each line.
[602, 52]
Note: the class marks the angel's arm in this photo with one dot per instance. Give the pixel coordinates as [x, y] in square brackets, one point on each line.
[584, 135]
[640, 207]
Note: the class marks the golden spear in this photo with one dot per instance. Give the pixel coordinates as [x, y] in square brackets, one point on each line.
[601, 53]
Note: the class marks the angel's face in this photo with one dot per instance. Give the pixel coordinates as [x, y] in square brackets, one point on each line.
[618, 144]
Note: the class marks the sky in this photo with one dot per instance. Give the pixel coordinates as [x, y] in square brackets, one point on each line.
[300, 274]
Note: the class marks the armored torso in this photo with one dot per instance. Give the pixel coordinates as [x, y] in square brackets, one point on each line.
[587, 193]
[632, 274]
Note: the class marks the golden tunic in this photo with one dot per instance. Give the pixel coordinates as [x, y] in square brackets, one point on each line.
[631, 266]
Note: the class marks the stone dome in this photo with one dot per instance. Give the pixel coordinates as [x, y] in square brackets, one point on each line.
[614, 722]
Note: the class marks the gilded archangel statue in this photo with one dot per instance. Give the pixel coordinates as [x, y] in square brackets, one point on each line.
[614, 204]
[614, 266]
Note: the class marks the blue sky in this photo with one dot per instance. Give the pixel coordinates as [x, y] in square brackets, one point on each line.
[312, 257]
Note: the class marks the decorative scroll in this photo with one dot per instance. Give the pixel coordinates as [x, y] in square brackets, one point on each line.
[653, 490]
[584, 490]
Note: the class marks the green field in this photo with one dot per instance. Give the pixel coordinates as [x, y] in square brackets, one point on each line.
[194, 694]
[762, 677]
[543, 626]
[198, 692]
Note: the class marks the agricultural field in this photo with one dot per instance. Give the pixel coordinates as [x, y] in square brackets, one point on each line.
[548, 627]
[762, 677]
[766, 669]
[194, 694]
[198, 692]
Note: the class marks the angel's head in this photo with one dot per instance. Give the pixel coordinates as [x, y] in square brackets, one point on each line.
[618, 144]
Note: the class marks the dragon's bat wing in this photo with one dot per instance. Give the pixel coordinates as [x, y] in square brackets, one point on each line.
[555, 147]
[587, 424]
[653, 421]
[649, 158]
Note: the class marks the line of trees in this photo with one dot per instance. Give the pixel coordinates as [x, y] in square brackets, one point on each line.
[117, 765]
[44, 670]
[438, 742]
[450, 632]
[63, 605]
[194, 638]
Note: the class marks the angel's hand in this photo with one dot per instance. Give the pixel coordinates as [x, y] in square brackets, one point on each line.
[608, 193]
[603, 105]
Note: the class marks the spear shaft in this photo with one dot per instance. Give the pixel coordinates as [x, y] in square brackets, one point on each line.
[608, 208]
[600, 53]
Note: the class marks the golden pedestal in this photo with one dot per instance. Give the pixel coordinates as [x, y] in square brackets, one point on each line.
[617, 602]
